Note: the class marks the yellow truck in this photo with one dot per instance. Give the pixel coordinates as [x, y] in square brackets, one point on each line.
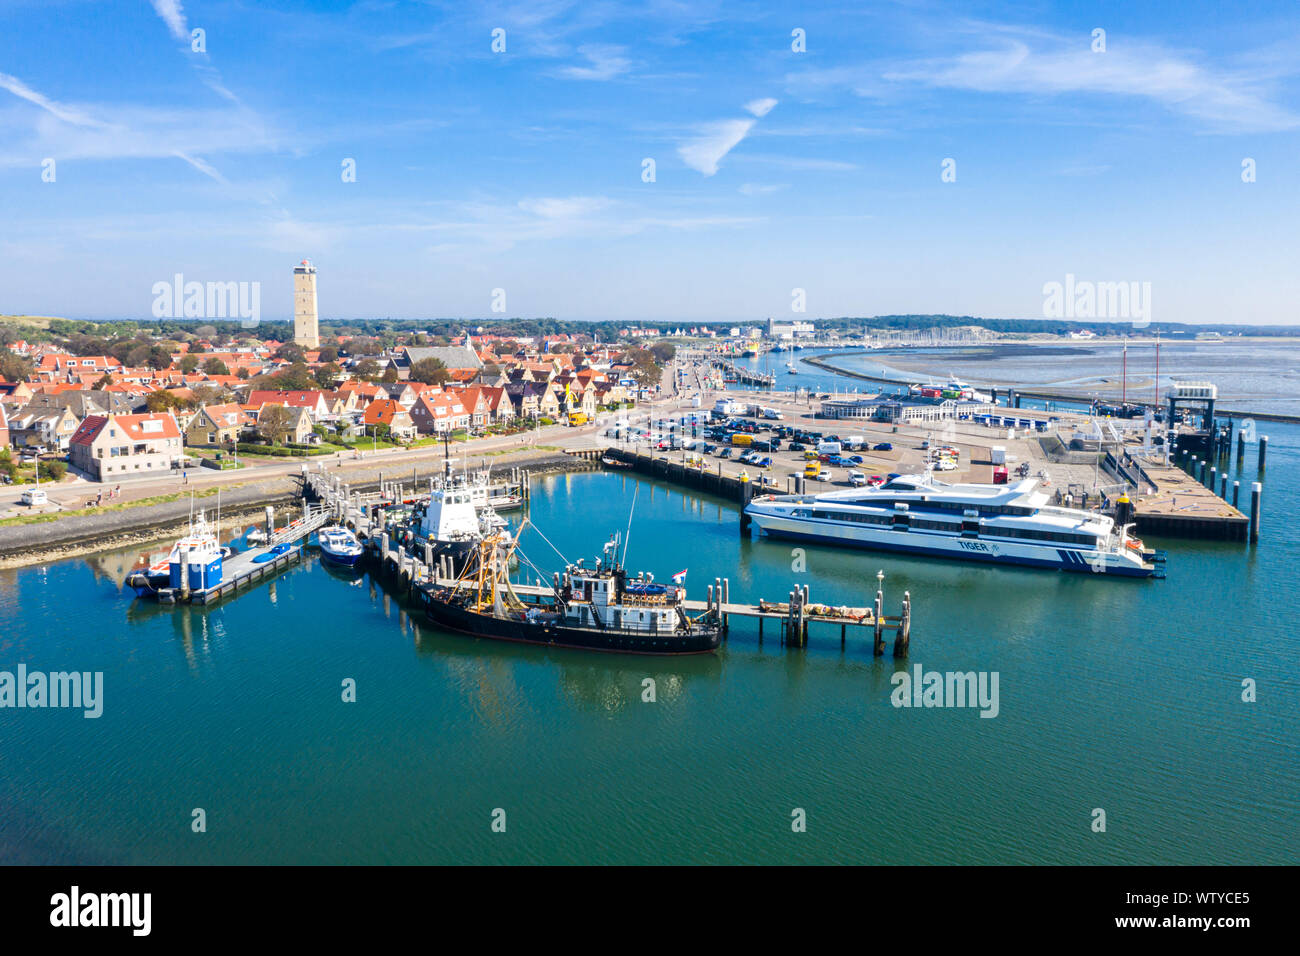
[812, 469]
[578, 418]
[740, 438]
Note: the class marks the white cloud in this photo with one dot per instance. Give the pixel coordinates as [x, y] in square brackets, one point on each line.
[761, 107]
[606, 62]
[761, 189]
[574, 207]
[1234, 102]
[173, 16]
[68, 114]
[714, 142]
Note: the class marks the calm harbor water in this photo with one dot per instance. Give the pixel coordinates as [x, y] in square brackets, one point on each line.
[1252, 376]
[1123, 695]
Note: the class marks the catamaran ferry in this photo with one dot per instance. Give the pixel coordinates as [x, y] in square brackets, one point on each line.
[1001, 524]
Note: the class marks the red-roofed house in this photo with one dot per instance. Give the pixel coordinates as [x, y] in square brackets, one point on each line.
[386, 411]
[217, 425]
[117, 447]
[313, 401]
[439, 414]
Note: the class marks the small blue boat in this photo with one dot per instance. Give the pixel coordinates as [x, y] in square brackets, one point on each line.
[340, 546]
[274, 553]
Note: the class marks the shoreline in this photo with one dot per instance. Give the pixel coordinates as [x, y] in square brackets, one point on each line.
[818, 362]
[76, 536]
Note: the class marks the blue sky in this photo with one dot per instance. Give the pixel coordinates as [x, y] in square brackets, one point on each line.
[774, 169]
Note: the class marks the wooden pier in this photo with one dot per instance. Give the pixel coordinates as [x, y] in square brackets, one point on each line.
[744, 375]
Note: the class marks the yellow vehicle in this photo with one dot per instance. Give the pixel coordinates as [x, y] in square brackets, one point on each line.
[812, 469]
[810, 455]
[578, 418]
[741, 438]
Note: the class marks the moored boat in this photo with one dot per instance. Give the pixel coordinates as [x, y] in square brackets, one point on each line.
[340, 546]
[997, 524]
[597, 609]
[194, 561]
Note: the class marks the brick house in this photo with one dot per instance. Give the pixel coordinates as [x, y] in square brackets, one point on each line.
[217, 425]
[439, 413]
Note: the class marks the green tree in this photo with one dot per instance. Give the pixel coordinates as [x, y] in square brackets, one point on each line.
[430, 371]
[14, 368]
[214, 366]
[297, 377]
[189, 363]
[274, 422]
[367, 370]
[389, 376]
[327, 376]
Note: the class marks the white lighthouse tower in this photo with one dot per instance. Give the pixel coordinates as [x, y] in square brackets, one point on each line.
[306, 332]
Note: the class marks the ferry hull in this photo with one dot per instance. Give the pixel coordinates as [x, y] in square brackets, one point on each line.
[454, 618]
[1060, 559]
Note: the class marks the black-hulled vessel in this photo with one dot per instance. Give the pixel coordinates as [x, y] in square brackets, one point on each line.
[596, 609]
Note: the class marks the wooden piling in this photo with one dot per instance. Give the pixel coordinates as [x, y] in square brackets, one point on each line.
[726, 599]
[1256, 492]
[879, 648]
[1263, 450]
[1236, 491]
[903, 634]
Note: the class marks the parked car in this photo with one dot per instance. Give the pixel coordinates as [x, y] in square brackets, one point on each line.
[710, 449]
[883, 446]
[856, 459]
[797, 446]
[875, 481]
[822, 475]
[35, 497]
[725, 453]
[857, 479]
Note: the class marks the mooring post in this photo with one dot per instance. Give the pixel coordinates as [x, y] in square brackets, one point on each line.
[903, 636]
[1236, 491]
[183, 554]
[879, 649]
[1241, 446]
[1263, 450]
[1214, 477]
[270, 522]
[726, 599]
[1223, 486]
[710, 602]
[1256, 492]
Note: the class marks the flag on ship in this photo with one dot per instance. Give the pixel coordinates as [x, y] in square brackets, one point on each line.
[680, 576]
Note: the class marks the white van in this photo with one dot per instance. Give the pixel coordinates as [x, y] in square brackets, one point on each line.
[855, 442]
[35, 497]
[858, 479]
[829, 448]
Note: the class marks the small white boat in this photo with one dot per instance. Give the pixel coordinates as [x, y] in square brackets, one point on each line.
[340, 546]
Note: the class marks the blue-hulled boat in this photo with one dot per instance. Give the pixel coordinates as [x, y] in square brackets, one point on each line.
[340, 546]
